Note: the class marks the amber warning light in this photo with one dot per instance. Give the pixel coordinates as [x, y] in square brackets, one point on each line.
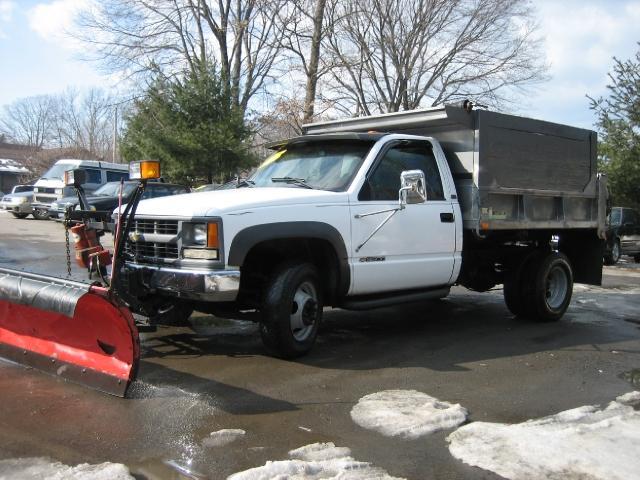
[144, 170]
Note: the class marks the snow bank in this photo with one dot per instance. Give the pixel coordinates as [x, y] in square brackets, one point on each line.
[585, 442]
[222, 437]
[406, 413]
[317, 461]
[42, 468]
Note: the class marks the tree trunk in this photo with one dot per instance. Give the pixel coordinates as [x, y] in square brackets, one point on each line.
[314, 57]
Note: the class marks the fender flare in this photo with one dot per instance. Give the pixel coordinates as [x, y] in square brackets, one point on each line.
[248, 238]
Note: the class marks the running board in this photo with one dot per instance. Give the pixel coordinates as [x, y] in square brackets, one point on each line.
[367, 302]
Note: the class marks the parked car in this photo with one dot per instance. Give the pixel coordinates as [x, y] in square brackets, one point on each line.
[18, 202]
[105, 198]
[623, 235]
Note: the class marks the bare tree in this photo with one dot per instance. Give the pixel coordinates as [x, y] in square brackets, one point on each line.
[402, 54]
[305, 25]
[166, 36]
[84, 121]
[28, 121]
[73, 121]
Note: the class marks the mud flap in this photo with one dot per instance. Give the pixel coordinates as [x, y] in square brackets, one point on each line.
[68, 329]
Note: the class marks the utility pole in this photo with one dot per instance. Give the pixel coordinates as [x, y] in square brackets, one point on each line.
[114, 147]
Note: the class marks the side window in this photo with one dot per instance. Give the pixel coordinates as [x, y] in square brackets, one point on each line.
[93, 175]
[114, 176]
[384, 182]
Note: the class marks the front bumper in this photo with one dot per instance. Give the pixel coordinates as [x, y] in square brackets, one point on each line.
[203, 285]
[16, 207]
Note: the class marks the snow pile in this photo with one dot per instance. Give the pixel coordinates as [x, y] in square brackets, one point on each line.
[222, 437]
[42, 468]
[9, 165]
[585, 442]
[406, 413]
[316, 461]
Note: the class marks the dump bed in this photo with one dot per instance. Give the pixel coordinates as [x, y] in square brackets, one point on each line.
[510, 172]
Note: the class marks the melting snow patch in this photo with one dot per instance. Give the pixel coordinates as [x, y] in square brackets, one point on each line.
[406, 413]
[42, 468]
[317, 461]
[585, 442]
[222, 437]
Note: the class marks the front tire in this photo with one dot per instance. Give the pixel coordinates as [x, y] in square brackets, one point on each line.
[40, 214]
[613, 258]
[291, 310]
[547, 287]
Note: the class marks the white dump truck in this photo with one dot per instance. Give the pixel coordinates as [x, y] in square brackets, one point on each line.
[369, 212]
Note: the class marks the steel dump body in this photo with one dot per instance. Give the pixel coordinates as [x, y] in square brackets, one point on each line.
[511, 173]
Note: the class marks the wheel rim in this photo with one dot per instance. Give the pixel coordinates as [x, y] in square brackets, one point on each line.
[615, 252]
[304, 311]
[557, 287]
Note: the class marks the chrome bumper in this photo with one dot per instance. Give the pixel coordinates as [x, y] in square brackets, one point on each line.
[204, 285]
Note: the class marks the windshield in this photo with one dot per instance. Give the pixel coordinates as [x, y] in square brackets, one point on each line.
[57, 171]
[615, 216]
[112, 189]
[323, 166]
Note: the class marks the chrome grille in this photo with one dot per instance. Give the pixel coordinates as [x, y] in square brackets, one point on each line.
[148, 225]
[44, 199]
[153, 250]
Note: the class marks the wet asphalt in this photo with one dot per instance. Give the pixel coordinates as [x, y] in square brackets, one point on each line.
[465, 349]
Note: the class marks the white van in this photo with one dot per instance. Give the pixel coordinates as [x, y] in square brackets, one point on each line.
[50, 186]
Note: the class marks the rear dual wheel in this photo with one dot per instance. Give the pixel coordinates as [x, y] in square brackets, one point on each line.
[540, 288]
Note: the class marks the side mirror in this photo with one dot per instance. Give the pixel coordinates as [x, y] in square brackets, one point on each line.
[412, 187]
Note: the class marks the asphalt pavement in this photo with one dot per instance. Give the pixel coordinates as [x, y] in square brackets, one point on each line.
[465, 349]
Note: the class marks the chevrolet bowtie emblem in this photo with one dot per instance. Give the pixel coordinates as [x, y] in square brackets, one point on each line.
[135, 236]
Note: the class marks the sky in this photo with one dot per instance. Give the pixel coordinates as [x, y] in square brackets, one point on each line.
[580, 38]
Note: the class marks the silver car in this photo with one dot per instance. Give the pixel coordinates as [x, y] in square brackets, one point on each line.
[18, 202]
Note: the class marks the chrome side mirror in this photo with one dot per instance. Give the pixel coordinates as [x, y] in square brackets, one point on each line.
[412, 187]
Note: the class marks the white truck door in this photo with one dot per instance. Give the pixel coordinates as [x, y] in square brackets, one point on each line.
[415, 248]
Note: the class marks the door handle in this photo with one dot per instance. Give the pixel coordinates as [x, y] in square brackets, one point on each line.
[446, 217]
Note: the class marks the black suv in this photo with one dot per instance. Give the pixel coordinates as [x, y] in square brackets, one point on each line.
[623, 235]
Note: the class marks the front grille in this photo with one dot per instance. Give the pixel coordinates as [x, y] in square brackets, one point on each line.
[153, 250]
[43, 199]
[46, 190]
[163, 227]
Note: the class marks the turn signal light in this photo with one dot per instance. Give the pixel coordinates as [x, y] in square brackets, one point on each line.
[212, 235]
[144, 170]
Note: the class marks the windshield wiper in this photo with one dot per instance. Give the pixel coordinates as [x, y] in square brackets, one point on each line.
[299, 182]
[245, 183]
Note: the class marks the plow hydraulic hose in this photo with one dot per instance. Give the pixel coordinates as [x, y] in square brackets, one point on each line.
[72, 330]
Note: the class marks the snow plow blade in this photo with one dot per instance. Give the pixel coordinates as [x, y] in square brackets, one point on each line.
[68, 329]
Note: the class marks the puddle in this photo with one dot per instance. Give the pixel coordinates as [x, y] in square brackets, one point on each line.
[632, 376]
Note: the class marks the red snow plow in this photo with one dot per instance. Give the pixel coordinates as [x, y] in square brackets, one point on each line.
[81, 332]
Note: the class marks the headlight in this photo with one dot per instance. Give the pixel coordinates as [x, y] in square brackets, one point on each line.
[204, 238]
[199, 234]
[58, 191]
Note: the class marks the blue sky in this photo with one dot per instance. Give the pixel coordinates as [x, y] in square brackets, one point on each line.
[581, 37]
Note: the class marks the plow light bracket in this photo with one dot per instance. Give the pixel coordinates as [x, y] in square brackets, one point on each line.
[144, 170]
